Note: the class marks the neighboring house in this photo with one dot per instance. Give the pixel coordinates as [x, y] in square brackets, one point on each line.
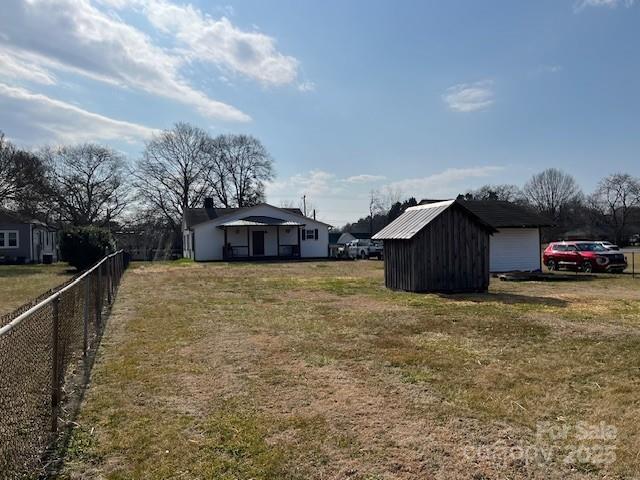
[337, 240]
[258, 232]
[25, 240]
[516, 246]
[333, 243]
[437, 247]
[588, 232]
[347, 237]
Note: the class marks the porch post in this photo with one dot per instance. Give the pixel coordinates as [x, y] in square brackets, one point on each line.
[299, 247]
[225, 252]
[278, 237]
[248, 243]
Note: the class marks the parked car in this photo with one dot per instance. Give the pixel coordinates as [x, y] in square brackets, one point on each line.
[586, 256]
[364, 249]
[609, 246]
[635, 239]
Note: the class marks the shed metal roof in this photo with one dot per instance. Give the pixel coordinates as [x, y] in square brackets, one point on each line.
[416, 218]
[412, 221]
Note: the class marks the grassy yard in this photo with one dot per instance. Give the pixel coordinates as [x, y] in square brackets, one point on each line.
[21, 283]
[315, 370]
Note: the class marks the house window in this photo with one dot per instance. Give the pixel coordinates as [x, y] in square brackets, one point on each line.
[310, 235]
[8, 239]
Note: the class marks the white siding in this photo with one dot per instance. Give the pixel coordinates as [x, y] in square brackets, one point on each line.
[208, 239]
[45, 242]
[514, 249]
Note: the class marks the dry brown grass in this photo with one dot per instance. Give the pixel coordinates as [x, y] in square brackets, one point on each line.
[315, 370]
[21, 283]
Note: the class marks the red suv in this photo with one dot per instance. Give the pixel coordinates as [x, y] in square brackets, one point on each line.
[584, 255]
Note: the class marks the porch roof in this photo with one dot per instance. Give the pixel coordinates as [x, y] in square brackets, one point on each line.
[258, 221]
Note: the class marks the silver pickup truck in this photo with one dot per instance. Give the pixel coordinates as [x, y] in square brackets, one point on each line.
[364, 249]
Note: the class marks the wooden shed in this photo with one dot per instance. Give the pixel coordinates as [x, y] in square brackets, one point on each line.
[437, 247]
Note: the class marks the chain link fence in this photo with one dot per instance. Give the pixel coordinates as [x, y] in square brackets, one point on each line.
[45, 352]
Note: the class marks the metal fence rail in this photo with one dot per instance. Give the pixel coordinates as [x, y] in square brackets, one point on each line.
[43, 351]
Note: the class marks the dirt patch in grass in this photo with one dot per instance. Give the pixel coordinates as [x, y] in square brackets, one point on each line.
[315, 370]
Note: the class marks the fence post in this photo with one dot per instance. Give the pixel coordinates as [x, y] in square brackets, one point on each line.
[109, 280]
[55, 364]
[119, 268]
[85, 317]
[99, 298]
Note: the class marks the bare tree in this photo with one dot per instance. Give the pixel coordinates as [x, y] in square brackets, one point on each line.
[240, 167]
[88, 183]
[390, 195]
[551, 191]
[375, 207]
[24, 180]
[504, 192]
[7, 171]
[176, 172]
[614, 198]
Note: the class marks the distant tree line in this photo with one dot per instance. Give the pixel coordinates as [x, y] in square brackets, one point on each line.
[611, 211]
[95, 185]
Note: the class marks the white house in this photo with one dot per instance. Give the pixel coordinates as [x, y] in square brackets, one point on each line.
[258, 232]
[516, 245]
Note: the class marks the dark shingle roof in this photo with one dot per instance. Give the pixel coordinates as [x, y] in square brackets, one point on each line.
[260, 220]
[7, 216]
[506, 214]
[333, 237]
[360, 235]
[194, 216]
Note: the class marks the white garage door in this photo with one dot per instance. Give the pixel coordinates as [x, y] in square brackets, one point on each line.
[515, 249]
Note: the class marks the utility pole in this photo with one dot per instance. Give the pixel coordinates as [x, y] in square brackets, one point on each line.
[304, 204]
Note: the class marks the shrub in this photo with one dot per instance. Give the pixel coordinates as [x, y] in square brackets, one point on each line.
[81, 247]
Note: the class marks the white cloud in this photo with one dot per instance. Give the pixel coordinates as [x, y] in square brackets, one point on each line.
[217, 41]
[364, 178]
[307, 86]
[46, 119]
[341, 200]
[469, 97]
[447, 183]
[581, 4]
[315, 182]
[76, 36]
[21, 68]
[551, 68]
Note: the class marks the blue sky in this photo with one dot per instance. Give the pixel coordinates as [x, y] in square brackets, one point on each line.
[416, 98]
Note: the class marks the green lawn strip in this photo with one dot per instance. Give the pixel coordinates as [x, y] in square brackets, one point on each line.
[21, 283]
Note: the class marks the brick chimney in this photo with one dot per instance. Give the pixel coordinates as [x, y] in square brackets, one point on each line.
[208, 202]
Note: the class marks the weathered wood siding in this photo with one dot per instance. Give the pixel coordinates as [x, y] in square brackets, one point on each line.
[451, 254]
